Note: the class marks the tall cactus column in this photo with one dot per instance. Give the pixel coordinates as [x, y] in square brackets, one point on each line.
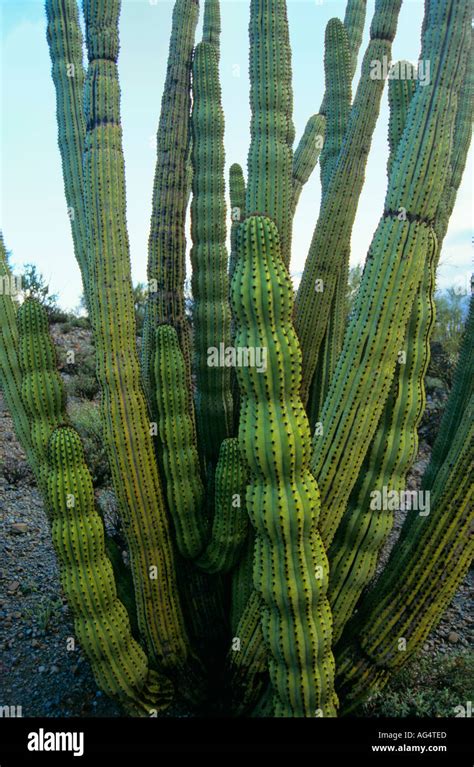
[210, 283]
[125, 417]
[167, 241]
[270, 159]
[291, 568]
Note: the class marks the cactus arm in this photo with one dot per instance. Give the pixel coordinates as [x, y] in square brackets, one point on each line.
[10, 371]
[184, 489]
[354, 21]
[242, 582]
[424, 570]
[211, 27]
[329, 249]
[167, 243]
[248, 663]
[453, 414]
[124, 410]
[65, 46]
[210, 281]
[42, 391]
[461, 143]
[230, 523]
[237, 209]
[101, 622]
[354, 551]
[270, 160]
[282, 498]
[307, 154]
[338, 96]
[366, 367]
[400, 94]
[337, 67]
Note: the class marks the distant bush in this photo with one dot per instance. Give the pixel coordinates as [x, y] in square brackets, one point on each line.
[85, 418]
[451, 309]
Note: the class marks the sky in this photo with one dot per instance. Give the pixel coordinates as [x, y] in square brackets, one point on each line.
[33, 214]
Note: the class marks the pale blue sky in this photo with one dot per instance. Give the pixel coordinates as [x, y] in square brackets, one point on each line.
[32, 205]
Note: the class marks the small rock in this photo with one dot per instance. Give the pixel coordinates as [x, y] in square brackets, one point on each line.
[41, 669]
[19, 528]
[16, 615]
[35, 643]
[453, 637]
[55, 669]
[13, 586]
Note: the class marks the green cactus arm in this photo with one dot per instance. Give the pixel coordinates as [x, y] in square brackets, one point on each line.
[237, 210]
[178, 454]
[400, 94]
[363, 530]
[101, 622]
[395, 443]
[10, 371]
[354, 22]
[307, 154]
[242, 581]
[167, 242]
[65, 43]
[270, 158]
[391, 276]
[210, 281]
[124, 411]
[230, 522]
[290, 567]
[311, 142]
[211, 26]
[247, 660]
[337, 67]
[42, 391]
[419, 581]
[338, 96]
[330, 245]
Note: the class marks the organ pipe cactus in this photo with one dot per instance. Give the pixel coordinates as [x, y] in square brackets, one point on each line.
[245, 495]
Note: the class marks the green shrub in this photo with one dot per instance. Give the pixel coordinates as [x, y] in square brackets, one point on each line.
[86, 419]
[427, 686]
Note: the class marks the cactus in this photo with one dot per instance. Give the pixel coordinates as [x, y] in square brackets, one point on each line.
[251, 537]
[100, 620]
[211, 310]
[167, 241]
[282, 498]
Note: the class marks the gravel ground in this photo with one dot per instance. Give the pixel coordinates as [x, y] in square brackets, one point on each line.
[38, 669]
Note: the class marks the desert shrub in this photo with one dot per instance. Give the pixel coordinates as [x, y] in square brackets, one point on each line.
[427, 686]
[86, 419]
[16, 471]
